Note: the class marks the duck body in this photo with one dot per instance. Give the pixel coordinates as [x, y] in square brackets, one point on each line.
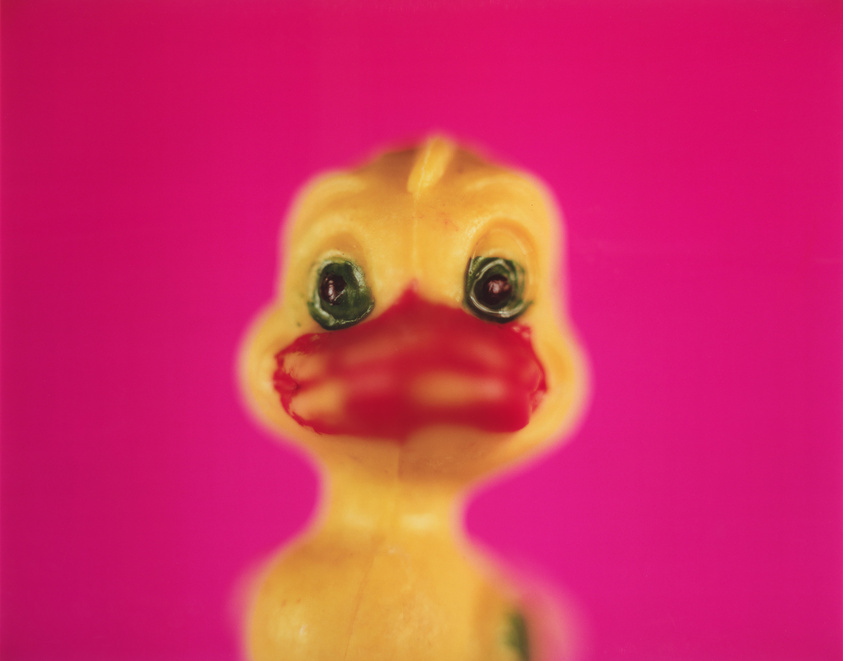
[394, 594]
[417, 346]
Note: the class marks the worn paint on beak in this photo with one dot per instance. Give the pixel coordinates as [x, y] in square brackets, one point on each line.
[418, 364]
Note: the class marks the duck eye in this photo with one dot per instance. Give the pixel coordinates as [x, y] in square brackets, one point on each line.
[331, 288]
[340, 297]
[494, 288]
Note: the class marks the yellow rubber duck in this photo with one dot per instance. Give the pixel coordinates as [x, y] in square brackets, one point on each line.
[418, 344]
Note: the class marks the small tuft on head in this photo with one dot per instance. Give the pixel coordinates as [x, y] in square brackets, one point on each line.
[431, 161]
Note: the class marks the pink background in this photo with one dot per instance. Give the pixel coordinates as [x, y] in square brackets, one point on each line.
[150, 150]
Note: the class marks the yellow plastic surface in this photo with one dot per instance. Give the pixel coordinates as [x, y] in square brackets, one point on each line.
[385, 572]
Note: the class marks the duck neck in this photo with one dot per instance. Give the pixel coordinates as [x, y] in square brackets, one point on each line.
[367, 496]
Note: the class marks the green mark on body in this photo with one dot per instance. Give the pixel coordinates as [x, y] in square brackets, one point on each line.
[516, 635]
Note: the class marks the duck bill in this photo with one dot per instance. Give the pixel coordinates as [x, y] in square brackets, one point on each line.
[419, 364]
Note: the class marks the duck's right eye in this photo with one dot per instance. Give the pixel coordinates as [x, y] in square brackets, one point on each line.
[494, 289]
[339, 297]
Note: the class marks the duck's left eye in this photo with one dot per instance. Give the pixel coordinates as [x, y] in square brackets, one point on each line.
[339, 297]
[494, 288]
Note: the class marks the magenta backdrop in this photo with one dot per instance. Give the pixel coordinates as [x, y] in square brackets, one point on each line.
[150, 150]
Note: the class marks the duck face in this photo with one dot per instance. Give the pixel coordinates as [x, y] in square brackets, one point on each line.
[420, 312]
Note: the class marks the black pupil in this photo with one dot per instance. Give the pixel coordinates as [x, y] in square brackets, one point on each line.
[495, 290]
[331, 287]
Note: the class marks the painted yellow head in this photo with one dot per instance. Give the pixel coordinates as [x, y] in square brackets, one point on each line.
[420, 313]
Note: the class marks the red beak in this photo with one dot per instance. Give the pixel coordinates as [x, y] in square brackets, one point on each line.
[418, 364]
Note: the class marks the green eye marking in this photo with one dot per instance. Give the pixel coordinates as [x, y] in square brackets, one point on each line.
[340, 297]
[494, 289]
[516, 635]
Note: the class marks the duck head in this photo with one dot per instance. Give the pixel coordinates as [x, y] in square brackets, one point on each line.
[419, 315]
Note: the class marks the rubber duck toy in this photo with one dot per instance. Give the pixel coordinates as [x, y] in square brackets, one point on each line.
[418, 344]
